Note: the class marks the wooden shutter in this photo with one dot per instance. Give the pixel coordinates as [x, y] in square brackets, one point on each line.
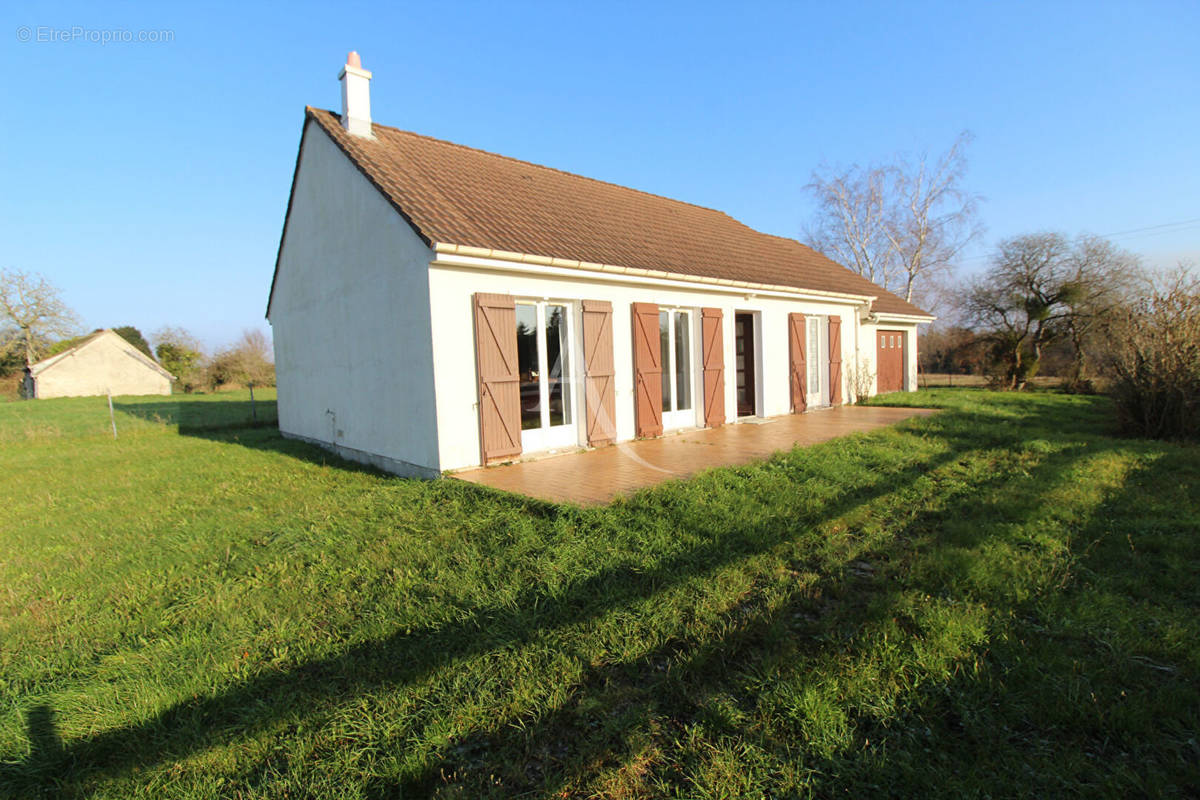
[798, 377]
[835, 360]
[599, 393]
[712, 342]
[499, 381]
[647, 370]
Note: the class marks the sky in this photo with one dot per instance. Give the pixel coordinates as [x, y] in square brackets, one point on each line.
[147, 176]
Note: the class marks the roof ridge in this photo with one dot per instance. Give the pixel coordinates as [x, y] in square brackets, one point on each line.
[546, 167]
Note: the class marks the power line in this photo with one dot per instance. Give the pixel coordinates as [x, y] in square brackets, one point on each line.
[1154, 227]
[1149, 230]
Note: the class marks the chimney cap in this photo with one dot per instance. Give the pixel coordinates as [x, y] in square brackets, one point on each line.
[353, 60]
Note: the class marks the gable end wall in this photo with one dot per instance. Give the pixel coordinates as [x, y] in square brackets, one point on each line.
[350, 319]
[98, 367]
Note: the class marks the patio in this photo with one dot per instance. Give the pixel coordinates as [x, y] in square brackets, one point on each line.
[598, 476]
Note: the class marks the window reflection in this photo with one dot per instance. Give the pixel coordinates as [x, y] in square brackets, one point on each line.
[664, 345]
[558, 361]
[527, 366]
[683, 361]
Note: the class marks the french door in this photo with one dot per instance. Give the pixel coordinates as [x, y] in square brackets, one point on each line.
[678, 389]
[545, 349]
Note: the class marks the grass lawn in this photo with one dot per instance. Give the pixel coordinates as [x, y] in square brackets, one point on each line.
[82, 417]
[999, 600]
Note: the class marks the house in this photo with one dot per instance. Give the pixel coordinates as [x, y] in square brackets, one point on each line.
[102, 363]
[437, 307]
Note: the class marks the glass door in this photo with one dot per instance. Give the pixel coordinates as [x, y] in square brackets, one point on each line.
[675, 341]
[545, 338]
[816, 344]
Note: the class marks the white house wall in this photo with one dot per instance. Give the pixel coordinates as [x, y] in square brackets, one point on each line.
[350, 319]
[451, 288]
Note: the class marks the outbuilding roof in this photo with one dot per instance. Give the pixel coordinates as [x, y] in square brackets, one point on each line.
[457, 195]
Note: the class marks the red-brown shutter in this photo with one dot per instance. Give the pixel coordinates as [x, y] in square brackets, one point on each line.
[599, 393]
[647, 370]
[712, 342]
[499, 382]
[798, 374]
[835, 360]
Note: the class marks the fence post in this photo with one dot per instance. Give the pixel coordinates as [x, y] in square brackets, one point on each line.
[253, 411]
[112, 417]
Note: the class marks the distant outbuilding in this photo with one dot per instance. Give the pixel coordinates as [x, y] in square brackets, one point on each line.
[100, 364]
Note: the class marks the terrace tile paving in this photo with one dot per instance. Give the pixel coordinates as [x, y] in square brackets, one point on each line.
[592, 477]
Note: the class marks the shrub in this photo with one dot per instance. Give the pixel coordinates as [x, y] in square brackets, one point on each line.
[1155, 362]
[182, 355]
[860, 379]
[247, 362]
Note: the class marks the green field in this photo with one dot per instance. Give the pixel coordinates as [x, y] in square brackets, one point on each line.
[998, 600]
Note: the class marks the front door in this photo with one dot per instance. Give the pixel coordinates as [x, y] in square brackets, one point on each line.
[743, 332]
[545, 345]
[678, 376]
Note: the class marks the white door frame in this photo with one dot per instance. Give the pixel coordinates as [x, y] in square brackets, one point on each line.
[817, 352]
[677, 418]
[549, 437]
[756, 336]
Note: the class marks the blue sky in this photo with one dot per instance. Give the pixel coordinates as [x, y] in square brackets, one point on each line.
[149, 180]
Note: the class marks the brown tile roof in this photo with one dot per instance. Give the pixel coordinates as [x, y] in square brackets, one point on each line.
[458, 195]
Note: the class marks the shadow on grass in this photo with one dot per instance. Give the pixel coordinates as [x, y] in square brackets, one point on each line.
[203, 416]
[406, 658]
[560, 751]
[557, 750]
[1083, 693]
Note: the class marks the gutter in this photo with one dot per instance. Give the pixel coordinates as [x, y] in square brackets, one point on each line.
[457, 255]
[886, 316]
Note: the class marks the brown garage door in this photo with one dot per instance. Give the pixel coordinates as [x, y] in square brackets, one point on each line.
[889, 361]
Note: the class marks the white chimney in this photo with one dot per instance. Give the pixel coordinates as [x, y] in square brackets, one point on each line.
[356, 96]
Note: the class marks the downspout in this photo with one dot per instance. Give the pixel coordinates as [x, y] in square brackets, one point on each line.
[858, 364]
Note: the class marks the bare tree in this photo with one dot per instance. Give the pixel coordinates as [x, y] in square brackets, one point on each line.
[933, 217]
[32, 313]
[1109, 278]
[1041, 288]
[1021, 302]
[176, 336]
[849, 226]
[902, 225]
